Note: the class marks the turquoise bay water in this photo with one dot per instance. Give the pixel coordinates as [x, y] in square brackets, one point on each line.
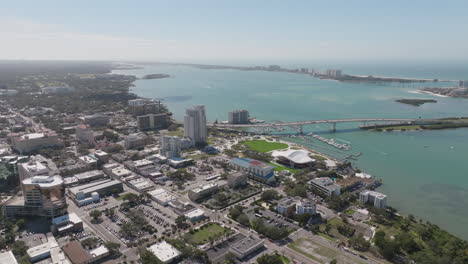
[425, 172]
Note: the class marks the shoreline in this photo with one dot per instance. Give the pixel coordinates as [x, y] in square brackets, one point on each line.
[433, 94]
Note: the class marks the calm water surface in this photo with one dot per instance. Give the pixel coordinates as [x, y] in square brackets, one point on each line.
[425, 172]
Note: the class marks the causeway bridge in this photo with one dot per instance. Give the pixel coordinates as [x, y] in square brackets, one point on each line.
[299, 125]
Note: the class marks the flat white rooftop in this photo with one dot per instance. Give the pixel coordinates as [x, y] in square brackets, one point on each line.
[44, 181]
[8, 258]
[164, 251]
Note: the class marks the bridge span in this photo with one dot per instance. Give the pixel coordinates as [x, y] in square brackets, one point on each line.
[298, 125]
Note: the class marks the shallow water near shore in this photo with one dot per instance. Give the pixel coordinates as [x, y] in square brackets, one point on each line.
[425, 173]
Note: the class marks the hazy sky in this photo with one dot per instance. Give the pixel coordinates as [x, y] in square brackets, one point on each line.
[199, 30]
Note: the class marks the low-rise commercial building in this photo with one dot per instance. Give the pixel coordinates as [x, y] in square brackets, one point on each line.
[161, 196]
[195, 215]
[89, 160]
[378, 200]
[66, 223]
[256, 170]
[89, 176]
[202, 191]
[50, 249]
[325, 186]
[246, 246]
[76, 253]
[7, 257]
[119, 172]
[91, 192]
[140, 184]
[165, 252]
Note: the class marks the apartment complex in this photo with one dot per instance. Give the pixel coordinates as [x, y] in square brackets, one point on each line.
[238, 117]
[195, 124]
[333, 73]
[138, 107]
[152, 121]
[300, 205]
[378, 200]
[28, 143]
[170, 146]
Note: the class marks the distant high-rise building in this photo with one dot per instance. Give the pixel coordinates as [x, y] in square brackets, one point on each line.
[170, 146]
[238, 117]
[140, 107]
[333, 73]
[463, 84]
[152, 121]
[195, 124]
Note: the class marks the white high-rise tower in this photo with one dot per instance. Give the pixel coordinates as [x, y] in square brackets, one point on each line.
[195, 124]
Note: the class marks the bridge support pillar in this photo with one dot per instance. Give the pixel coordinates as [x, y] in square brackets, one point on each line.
[333, 127]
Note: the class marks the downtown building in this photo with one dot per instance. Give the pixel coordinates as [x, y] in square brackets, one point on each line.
[255, 169]
[195, 125]
[42, 196]
[37, 165]
[170, 146]
[238, 117]
[28, 143]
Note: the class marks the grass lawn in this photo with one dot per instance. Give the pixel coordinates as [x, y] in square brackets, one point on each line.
[179, 132]
[264, 146]
[285, 260]
[203, 234]
[350, 212]
[282, 168]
